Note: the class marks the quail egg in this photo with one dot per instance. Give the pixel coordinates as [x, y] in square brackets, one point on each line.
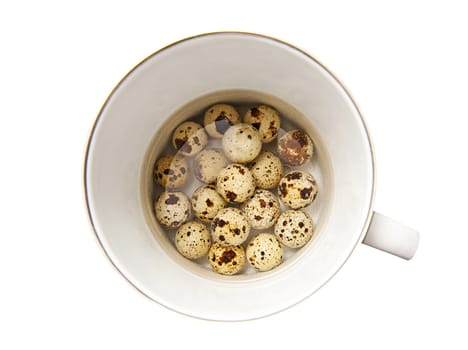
[171, 172]
[295, 147]
[241, 143]
[219, 118]
[230, 227]
[294, 228]
[226, 260]
[235, 183]
[193, 240]
[206, 202]
[208, 163]
[266, 120]
[262, 209]
[172, 209]
[267, 170]
[189, 138]
[264, 252]
[297, 189]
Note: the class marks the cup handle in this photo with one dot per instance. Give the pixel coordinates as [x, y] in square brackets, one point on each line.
[392, 237]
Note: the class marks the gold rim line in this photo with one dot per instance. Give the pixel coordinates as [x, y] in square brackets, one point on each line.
[220, 33]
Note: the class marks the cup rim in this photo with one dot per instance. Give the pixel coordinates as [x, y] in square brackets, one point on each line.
[163, 49]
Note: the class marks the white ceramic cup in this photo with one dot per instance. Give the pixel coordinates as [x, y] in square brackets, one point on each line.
[136, 122]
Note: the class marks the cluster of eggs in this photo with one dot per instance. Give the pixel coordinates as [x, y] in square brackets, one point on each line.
[236, 196]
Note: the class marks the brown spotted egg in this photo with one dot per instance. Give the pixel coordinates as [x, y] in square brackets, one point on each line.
[226, 260]
[230, 227]
[193, 240]
[264, 252]
[208, 163]
[241, 143]
[189, 138]
[171, 171]
[297, 189]
[295, 147]
[172, 209]
[294, 228]
[266, 120]
[267, 170]
[235, 183]
[219, 118]
[206, 202]
[262, 209]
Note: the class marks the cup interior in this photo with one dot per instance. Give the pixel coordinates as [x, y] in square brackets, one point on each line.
[291, 118]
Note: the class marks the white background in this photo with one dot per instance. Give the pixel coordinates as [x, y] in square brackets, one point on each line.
[406, 63]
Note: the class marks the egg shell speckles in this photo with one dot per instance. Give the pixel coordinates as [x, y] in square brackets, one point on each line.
[171, 172]
[264, 252]
[267, 170]
[266, 120]
[189, 138]
[193, 240]
[226, 260]
[230, 227]
[295, 147]
[262, 209]
[219, 118]
[172, 209]
[206, 202]
[242, 143]
[208, 163]
[294, 228]
[235, 183]
[297, 189]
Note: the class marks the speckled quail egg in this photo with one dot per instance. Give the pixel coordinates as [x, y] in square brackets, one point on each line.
[267, 170]
[262, 209]
[189, 138]
[295, 147]
[219, 118]
[208, 163]
[265, 119]
[230, 227]
[294, 228]
[172, 209]
[235, 183]
[242, 143]
[171, 171]
[193, 240]
[226, 260]
[264, 252]
[297, 189]
[206, 202]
